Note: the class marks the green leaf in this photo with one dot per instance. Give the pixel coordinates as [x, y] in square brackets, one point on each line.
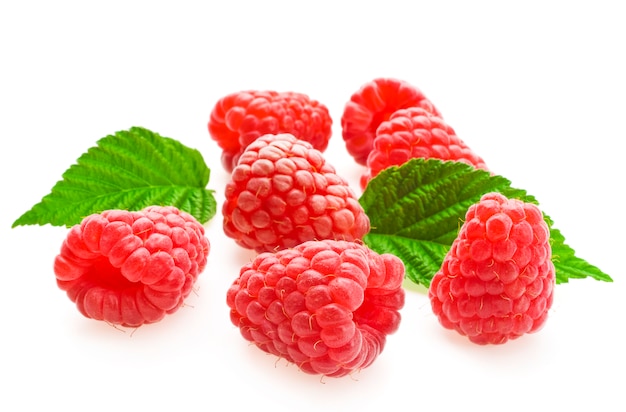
[417, 209]
[568, 265]
[129, 170]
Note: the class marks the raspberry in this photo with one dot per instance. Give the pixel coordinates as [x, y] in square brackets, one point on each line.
[371, 105]
[496, 283]
[412, 133]
[283, 192]
[239, 118]
[326, 306]
[132, 268]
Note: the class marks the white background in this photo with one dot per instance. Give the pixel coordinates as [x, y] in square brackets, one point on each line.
[536, 89]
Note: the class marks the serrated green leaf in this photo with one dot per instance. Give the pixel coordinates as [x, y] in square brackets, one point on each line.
[128, 170]
[416, 210]
[567, 265]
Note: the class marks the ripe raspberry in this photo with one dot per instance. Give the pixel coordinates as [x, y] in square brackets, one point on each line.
[283, 192]
[326, 306]
[132, 268]
[371, 105]
[415, 132]
[497, 281]
[239, 118]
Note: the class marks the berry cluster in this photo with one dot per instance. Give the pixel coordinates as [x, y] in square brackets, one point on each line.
[388, 122]
[315, 294]
[311, 294]
[373, 104]
[326, 306]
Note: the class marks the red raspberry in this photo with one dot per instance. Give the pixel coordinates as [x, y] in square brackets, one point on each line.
[415, 132]
[371, 105]
[496, 283]
[283, 192]
[132, 268]
[240, 118]
[326, 306]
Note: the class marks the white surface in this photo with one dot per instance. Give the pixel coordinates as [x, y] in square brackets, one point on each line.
[538, 90]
